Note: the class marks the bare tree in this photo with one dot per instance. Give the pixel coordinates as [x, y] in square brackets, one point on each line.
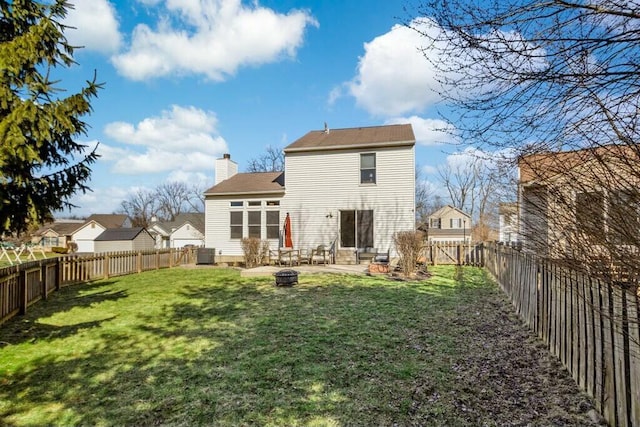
[164, 202]
[140, 206]
[427, 199]
[174, 198]
[271, 161]
[556, 84]
[460, 183]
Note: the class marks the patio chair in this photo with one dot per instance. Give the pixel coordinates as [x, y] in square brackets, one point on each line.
[304, 256]
[318, 254]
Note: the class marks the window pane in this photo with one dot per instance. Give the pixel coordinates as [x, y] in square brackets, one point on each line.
[236, 204]
[368, 176]
[254, 231]
[367, 161]
[273, 217]
[236, 225]
[273, 224]
[365, 229]
[590, 213]
[236, 218]
[255, 203]
[623, 222]
[273, 203]
[368, 168]
[254, 218]
[348, 229]
[236, 232]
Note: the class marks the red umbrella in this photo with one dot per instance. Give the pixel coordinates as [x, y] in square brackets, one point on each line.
[288, 243]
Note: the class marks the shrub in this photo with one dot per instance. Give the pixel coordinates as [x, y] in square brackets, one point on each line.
[408, 245]
[255, 250]
[59, 250]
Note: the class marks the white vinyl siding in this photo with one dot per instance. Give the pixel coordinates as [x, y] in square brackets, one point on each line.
[142, 242]
[186, 235]
[217, 221]
[320, 184]
[85, 236]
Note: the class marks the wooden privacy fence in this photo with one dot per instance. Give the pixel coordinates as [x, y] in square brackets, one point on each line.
[591, 325]
[25, 284]
[457, 253]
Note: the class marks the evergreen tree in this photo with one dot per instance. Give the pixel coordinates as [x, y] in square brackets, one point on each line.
[41, 164]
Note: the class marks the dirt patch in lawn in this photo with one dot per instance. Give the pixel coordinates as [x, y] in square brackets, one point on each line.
[504, 376]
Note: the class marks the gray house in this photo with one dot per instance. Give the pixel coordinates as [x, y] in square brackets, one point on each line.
[124, 239]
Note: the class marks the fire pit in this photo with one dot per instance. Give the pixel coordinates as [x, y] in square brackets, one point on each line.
[286, 277]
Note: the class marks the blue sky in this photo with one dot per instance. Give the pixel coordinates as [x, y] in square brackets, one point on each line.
[189, 80]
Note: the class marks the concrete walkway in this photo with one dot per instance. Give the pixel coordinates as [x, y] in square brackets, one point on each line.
[268, 270]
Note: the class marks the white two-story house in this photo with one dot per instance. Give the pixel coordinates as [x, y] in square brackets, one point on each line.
[350, 189]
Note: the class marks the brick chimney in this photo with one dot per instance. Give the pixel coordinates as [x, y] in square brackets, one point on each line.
[225, 168]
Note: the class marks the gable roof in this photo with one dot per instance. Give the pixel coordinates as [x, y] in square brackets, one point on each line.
[250, 183]
[108, 220]
[362, 137]
[547, 165]
[127, 233]
[61, 228]
[447, 208]
[196, 219]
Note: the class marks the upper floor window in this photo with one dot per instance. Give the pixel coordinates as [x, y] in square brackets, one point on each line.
[589, 213]
[434, 223]
[368, 168]
[455, 223]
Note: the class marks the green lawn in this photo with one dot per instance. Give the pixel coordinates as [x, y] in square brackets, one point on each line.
[205, 346]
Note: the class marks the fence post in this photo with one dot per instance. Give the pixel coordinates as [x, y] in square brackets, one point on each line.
[157, 259]
[24, 295]
[434, 253]
[58, 274]
[43, 278]
[105, 266]
[139, 262]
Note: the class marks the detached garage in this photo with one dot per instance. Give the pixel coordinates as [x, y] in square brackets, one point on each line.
[124, 239]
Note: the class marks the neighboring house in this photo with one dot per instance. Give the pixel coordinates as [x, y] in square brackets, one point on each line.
[124, 239]
[84, 236]
[185, 229]
[567, 199]
[347, 188]
[55, 234]
[449, 224]
[508, 222]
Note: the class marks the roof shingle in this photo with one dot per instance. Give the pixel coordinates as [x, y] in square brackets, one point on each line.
[374, 136]
[250, 183]
[111, 234]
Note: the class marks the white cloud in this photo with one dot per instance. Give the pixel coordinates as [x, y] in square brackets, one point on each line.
[394, 77]
[428, 132]
[95, 26]
[101, 200]
[429, 170]
[180, 139]
[213, 38]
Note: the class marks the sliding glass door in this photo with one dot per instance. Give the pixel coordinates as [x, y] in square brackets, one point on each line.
[356, 229]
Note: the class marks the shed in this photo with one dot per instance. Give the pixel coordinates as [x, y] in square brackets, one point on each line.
[124, 239]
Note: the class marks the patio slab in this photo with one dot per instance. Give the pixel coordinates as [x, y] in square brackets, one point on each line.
[268, 270]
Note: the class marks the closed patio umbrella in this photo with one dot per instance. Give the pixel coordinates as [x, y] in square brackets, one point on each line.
[288, 243]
